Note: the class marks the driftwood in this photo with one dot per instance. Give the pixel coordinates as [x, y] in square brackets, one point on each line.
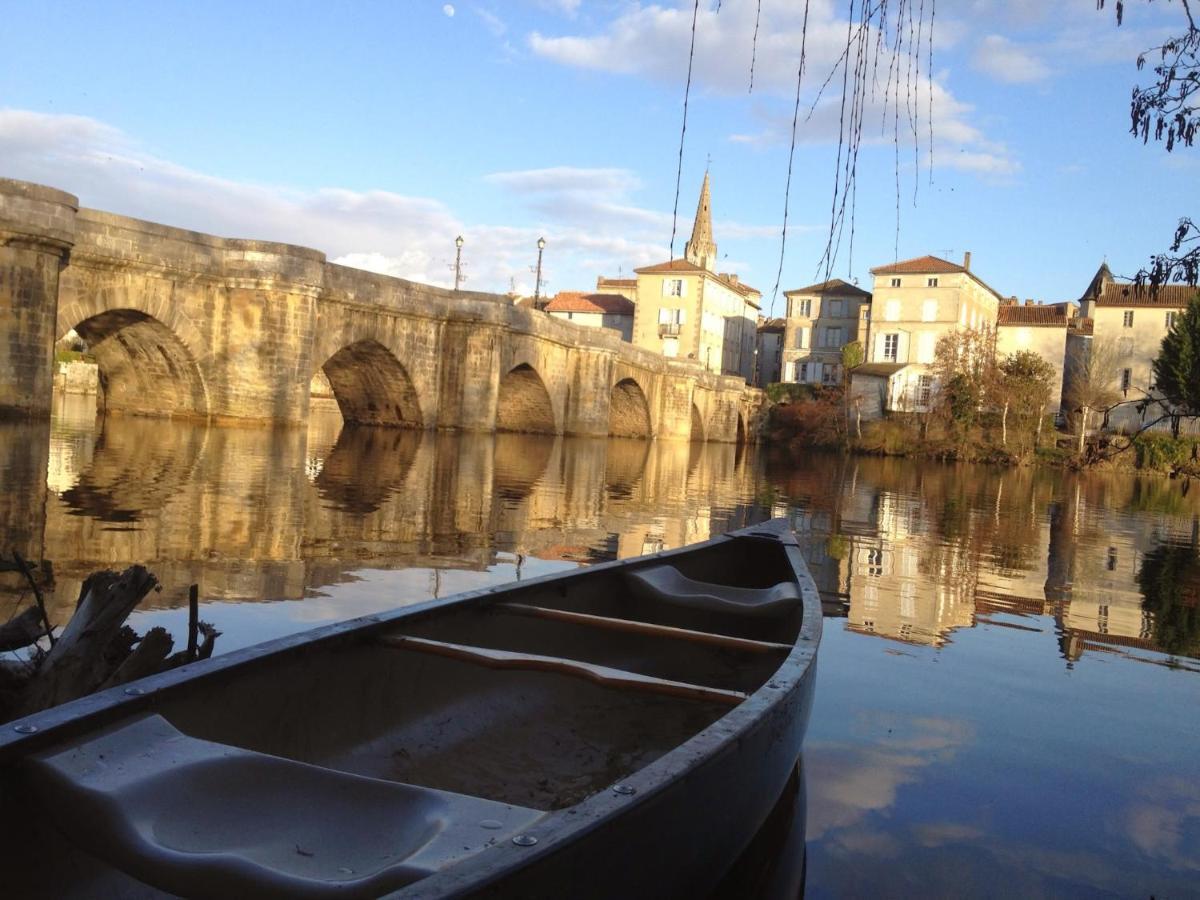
[96, 649]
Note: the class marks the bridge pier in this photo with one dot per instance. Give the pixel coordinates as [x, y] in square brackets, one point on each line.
[37, 231]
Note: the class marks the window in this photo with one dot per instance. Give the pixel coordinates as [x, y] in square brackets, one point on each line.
[1126, 379]
[892, 311]
[891, 347]
[828, 372]
[1171, 319]
[806, 307]
[875, 561]
[895, 282]
[929, 311]
[1111, 564]
[801, 340]
[802, 377]
[924, 389]
[1128, 322]
[836, 310]
[833, 337]
[670, 322]
[931, 282]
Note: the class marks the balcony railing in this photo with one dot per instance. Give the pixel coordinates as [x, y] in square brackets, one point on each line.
[668, 329]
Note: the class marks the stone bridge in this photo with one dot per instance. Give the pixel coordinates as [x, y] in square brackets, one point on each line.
[191, 325]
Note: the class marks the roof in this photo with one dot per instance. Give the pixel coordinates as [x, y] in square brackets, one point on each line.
[832, 286]
[878, 370]
[920, 265]
[580, 301]
[1038, 316]
[931, 265]
[682, 265]
[617, 282]
[1102, 277]
[772, 325]
[1173, 296]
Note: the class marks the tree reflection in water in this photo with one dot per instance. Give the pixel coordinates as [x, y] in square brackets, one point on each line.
[1169, 579]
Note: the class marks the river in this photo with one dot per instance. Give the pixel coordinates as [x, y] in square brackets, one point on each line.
[1008, 699]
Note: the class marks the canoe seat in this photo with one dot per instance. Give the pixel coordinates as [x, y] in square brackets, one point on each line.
[667, 584]
[202, 819]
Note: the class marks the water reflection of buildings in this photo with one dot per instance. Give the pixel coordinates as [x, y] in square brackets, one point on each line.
[251, 514]
[915, 552]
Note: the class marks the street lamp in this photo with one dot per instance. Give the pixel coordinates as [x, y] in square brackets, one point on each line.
[458, 242]
[537, 283]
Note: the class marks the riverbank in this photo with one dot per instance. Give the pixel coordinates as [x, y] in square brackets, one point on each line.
[824, 424]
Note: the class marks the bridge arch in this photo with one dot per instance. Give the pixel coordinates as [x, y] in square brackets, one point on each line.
[740, 438]
[372, 387]
[697, 433]
[523, 403]
[628, 411]
[145, 368]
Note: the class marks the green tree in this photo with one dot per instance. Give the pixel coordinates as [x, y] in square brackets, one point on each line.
[1024, 384]
[1177, 368]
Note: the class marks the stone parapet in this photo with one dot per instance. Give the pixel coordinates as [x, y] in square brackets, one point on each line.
[36, 214]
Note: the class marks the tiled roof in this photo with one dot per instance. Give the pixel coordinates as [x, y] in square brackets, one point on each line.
[833, 286]
[1039, 316]
[1174, 296]
[1081, 325]
[772, 325]
[617, 282]
[578, 301]
[921, 265]
[682, 265]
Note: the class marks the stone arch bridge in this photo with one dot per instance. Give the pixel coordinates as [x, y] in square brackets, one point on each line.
[192, 325]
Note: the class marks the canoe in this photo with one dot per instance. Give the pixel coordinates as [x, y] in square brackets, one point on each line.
[620, 730]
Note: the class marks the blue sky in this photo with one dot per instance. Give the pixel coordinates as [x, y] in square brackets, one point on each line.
[376, 132]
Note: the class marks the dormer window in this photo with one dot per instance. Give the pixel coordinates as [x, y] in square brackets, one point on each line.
[895, 282]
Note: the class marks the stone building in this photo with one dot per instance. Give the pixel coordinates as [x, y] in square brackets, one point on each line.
[914, 303]
[821, 319]
[1134, 321]
[768, 352]
[1041, 328]
[594, 310]
[686, 309]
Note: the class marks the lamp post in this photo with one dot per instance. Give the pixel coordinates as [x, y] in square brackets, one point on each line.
[537, 282]
[458, 242]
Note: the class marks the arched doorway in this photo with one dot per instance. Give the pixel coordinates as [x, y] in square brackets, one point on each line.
[372, 387]
[628, 411]
[523, 403]
[143, 368]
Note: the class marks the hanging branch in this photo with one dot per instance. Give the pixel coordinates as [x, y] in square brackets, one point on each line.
[683, 131]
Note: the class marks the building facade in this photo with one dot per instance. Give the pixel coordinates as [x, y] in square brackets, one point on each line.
[914, 304]
[1041, 329]
[821, 320]
[684, 308]
[594, 310]
[768, 352]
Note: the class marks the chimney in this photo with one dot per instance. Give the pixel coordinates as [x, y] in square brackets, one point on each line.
[967, 260]
[1028, 301]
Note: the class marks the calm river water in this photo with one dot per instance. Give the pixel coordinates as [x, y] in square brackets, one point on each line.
[1008, 700]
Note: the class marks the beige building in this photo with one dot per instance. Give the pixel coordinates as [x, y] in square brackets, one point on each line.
[686, 309]
[1040, 328]
[768, 352]
[613, 311]
[1134, 321]
[821, 319]
[914, 303]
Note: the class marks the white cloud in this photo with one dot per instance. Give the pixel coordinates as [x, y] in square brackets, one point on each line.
[448, 10]
[491, 21]
[1001, 59]
[652, 42]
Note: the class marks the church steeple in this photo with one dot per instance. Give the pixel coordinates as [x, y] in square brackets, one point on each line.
[701, 250]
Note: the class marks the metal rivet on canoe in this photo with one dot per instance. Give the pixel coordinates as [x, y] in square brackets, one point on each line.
[625, 790]
[25, 729]
[491, 823]
[134, 691]
[524, 840]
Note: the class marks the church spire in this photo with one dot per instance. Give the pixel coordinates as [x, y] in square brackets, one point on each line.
[701, 250]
